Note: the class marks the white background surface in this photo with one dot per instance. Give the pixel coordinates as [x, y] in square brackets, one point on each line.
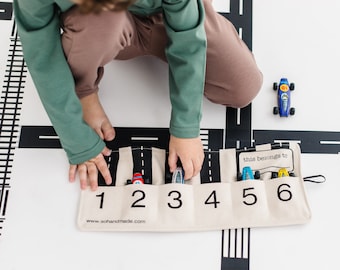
[297, 39]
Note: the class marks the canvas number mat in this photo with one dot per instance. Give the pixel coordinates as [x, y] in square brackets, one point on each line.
[221, 197]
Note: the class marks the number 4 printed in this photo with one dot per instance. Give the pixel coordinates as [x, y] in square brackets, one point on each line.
[212, 199]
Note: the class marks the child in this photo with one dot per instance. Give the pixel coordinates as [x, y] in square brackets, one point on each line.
[203, 51]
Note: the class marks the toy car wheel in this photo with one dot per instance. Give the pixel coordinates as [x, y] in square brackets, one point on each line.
[257, 175]
[275, 86]
[168, 177]
[292, 111]
[292, 174]
[292, 86]
[276, 110]
[239, 176]
[274, 175]
[147, 181]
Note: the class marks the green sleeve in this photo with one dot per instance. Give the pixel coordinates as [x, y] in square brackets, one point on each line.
[186, 54]
[39, 31]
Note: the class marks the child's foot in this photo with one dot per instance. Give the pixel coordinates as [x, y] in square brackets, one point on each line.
[95, 117]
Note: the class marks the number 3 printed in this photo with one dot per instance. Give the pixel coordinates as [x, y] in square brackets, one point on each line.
[177, 198]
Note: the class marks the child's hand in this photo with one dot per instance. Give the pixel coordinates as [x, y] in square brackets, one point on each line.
[189, 151]
[88, 171]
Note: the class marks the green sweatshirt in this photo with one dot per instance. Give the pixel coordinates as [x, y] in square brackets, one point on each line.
[39, 31]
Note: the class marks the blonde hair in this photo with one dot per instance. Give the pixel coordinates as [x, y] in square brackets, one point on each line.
[96, 6]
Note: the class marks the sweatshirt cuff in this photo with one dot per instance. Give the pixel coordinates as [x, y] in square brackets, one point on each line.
[86, 155]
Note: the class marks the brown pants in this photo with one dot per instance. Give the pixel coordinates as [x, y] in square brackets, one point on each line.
[90, 41]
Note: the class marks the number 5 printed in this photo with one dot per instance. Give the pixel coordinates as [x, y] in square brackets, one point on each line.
[250, 198]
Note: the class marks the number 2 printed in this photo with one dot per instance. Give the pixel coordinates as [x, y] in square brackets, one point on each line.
[142, 197]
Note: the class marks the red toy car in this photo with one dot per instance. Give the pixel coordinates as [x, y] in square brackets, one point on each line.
[137, 178]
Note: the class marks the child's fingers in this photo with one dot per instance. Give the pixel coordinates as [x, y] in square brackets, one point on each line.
[88, 171]
[99, 132]
[172, 161]
[82, 172]
[188, 168]
[108, 131]
[92, 175]
[72, 173]
[100, 163]
[106, 152]
[197, 165]
[102, 167]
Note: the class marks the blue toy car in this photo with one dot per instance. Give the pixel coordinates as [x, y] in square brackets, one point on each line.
[247, 174]
[178, 176]
[283, 96]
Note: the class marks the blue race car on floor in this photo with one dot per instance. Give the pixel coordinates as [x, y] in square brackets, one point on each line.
[283, 97]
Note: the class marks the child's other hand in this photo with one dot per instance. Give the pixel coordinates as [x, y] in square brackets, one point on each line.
[88, 171]
[189, 151]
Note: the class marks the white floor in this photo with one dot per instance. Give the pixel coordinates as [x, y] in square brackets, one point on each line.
[297, 39]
